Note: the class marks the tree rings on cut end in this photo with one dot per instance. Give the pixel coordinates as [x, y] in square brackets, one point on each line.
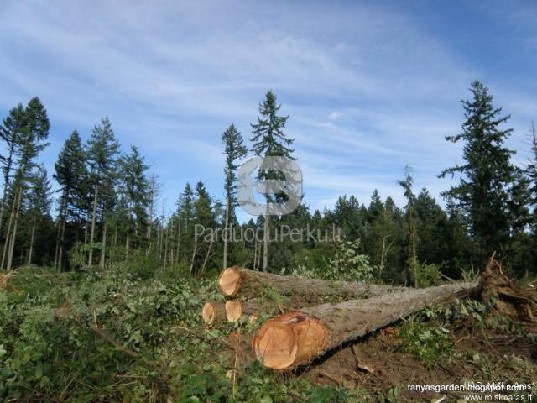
[230, 281]
[234, 310]
[289, 340]
[213, 312]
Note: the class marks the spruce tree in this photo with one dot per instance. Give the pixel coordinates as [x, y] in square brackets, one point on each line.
[102, 153]
[269, 140]
[483, 191]
[413, 265]
[234, 150]
[38, 203]
[134, 191]
[32, 129]
[10, 134]
[72, 176]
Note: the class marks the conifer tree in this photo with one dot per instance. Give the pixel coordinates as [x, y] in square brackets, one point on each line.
[10, 134]
[72, 176]
[407, 184]
[32, 129]
[204, 219]
[269, 140]
[102, 153]
[134, 193]
[234, 150]
[483, 191]
[38, 205]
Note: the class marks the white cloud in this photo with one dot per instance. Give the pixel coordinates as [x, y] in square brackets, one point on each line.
[369, 87]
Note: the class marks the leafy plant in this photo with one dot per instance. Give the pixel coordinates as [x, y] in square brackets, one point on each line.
[427, 342]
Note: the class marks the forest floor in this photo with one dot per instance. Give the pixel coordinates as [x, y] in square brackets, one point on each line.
[379, 365]
[118, 336]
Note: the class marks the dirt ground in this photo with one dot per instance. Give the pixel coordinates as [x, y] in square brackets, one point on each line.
[378, 364]
[491, 355]
[377, 368]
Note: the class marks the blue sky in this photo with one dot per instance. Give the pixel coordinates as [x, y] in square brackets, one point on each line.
[369, 86]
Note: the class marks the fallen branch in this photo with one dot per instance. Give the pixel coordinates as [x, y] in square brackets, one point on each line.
[103, 335]
[296, 338]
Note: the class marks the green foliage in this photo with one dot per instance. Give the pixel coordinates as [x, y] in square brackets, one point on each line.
[349, 264]
[484, 189]
[268, 137]
[346, 264]
[427, 275]
[50, 349]
[427, 342]
[78, 255]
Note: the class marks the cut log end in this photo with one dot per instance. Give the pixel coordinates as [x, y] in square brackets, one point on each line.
[213, 312]
[234, 310]
[290, 339]
[230, 281]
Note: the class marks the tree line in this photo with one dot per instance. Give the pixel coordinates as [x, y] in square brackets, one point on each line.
[107, 202]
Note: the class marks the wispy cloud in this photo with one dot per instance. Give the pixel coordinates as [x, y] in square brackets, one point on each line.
[369, 87]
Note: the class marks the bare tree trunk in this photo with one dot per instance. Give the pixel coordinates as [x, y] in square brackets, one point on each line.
[255, 252]
[2, 208]
[165, 235]
[8, 236]
[16, 207]
[265, 241]
[207, 256]
[127, 248]
[194, 253]
[62, 246]
[93, 222]
[226, 229]
[57, 248]
[178, 243]
[61, 219]
[160, 236]
[103, 247]
[32, 240]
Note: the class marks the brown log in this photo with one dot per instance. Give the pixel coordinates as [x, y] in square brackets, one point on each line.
[213, 312]
[237, 309]
[235, 279]
[298, 337]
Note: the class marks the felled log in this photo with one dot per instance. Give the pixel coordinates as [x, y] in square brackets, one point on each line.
[231, 311]
[213, 312]
[297, 337]
[236, 309]
[249, 282]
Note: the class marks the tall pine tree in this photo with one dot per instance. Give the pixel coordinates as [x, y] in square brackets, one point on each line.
[483, 191]
[269, 140]
[234, 150]
[72, 176]
[32, 129]
[102, 153]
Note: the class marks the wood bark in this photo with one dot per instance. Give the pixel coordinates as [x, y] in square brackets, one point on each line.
[249, 282]
[298, 337]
